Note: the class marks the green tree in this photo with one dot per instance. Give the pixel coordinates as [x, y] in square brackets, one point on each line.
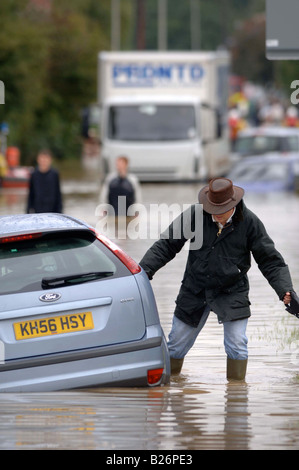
[74, 41]
[48, 63]
[23, 50]
[217, 21]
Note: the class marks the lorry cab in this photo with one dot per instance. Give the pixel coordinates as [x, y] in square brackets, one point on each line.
[160, 136]
[165, 112]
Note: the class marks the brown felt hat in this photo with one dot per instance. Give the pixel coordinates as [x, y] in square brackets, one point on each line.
[220, 196]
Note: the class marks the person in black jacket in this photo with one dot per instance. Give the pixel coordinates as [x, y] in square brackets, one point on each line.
[215, 277]
[44, 186]
[121, 189]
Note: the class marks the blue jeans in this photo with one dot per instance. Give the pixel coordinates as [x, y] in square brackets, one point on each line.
[183, 336]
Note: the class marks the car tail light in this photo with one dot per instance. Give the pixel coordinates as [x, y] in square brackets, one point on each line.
[133, 267]
[154, 376]
[20, 238]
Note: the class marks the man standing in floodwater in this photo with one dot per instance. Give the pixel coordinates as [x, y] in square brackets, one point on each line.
[44, 186]
[215, 277]
[118, 185]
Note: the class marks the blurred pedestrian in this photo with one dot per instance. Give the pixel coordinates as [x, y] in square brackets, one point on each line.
[215, 278]
[235, 124]
[291, 117]
[3, 167]
[121, 189]
[44, 186]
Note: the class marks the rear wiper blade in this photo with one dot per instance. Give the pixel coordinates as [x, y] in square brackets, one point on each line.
[74, 278]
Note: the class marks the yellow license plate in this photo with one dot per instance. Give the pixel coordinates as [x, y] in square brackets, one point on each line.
[53, 325]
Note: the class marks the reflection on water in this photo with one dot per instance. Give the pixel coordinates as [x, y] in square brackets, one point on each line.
[199, 409]
[176, 417]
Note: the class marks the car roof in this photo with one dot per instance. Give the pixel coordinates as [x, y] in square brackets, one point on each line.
[45, 222]
[270, 158]
[273, 157]
[271, 130]
[267, 159]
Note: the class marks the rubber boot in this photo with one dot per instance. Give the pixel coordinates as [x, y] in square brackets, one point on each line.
[236, 369]
[176, 365]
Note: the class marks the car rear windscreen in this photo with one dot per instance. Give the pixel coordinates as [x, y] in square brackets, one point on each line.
[56, 260]
[259, 144]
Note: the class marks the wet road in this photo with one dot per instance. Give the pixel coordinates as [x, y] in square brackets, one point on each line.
[199, 409]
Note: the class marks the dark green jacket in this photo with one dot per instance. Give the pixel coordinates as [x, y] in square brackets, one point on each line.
[216, 272]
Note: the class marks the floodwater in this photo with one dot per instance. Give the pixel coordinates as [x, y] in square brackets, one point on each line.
[199, 409]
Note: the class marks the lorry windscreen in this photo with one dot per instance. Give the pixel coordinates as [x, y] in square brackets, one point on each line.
[152, 122]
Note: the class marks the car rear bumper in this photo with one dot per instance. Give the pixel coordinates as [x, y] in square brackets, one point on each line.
[114, 365]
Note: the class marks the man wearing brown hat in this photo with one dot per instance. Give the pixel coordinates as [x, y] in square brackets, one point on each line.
[215, 277]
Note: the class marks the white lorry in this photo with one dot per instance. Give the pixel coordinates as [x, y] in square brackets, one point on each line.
[166, 111]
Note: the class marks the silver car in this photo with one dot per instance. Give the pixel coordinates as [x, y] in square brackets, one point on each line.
[255, 141]
[75, 310]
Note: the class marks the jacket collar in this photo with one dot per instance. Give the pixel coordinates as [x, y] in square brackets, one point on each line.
[227, 222]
